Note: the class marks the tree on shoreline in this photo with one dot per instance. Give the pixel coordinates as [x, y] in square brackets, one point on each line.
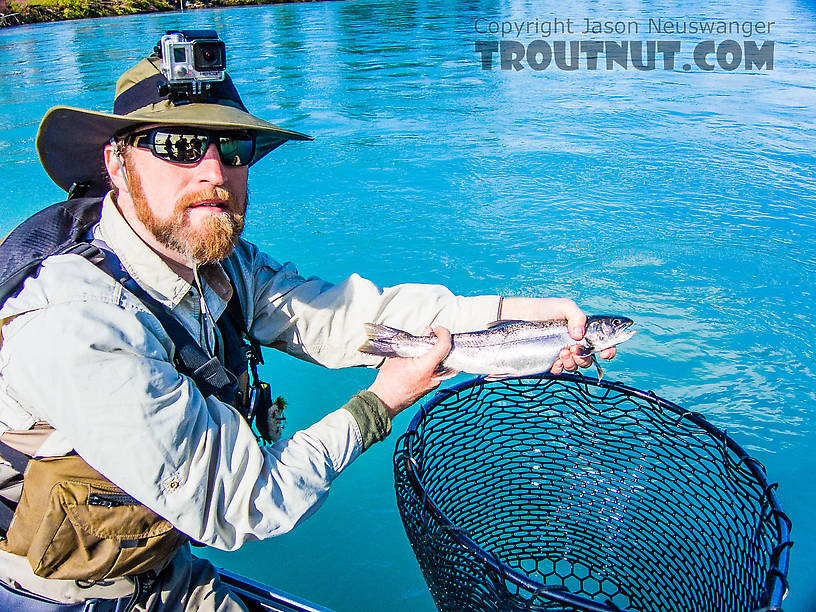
[19, 12]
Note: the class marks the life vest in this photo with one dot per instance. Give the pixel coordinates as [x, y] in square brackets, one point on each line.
[65, 228]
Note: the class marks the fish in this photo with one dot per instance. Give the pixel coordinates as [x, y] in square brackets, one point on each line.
[507, 348]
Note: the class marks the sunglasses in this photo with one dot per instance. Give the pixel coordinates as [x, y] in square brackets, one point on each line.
[189, 145]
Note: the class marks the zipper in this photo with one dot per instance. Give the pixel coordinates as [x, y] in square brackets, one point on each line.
[109, 500]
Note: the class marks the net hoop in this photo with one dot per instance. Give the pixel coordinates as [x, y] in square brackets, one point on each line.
[406, 466]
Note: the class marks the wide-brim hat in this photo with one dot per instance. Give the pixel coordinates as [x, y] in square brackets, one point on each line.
[70, 141]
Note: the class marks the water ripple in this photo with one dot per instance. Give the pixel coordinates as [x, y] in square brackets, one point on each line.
[684, 200]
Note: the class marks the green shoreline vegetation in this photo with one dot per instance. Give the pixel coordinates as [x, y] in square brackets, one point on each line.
[19, 12]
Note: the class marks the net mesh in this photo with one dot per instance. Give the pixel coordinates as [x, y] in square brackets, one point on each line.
[563, 493]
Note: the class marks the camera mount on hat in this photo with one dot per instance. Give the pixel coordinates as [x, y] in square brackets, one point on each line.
[184, 83]
[191, 60]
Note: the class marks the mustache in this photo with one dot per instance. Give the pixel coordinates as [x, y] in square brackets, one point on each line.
[215, 193]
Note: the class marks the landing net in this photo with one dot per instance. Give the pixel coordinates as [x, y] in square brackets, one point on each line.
[564, 493]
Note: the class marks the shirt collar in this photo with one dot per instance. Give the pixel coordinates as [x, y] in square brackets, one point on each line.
[145, 265]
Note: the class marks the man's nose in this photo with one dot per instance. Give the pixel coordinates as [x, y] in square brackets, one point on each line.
[211, 168]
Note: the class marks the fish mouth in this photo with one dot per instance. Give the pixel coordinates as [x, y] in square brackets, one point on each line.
[618, 339]
[622, 334]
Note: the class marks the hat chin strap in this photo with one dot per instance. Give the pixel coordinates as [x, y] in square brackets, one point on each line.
[116, 149]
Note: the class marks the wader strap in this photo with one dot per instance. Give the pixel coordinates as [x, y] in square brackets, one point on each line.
[236, 316]
[6, 514]
[19, 600]
[19, 462]
[209, 375]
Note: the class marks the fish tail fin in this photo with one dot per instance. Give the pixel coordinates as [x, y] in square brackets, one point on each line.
[381, 340]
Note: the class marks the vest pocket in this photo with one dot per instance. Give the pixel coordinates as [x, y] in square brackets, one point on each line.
[73, 523]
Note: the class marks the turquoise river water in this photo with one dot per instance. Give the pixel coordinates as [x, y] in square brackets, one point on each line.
[681, 198]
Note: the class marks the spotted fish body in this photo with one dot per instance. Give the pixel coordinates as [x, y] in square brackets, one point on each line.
[505, 348]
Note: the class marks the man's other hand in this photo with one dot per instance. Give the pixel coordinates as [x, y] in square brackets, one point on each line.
[545, 309]
[402, 381]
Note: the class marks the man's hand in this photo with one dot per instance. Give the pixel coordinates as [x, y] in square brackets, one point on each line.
[402, 381]
[543, 309]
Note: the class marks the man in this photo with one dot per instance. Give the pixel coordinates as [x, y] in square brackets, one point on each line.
[93, 376]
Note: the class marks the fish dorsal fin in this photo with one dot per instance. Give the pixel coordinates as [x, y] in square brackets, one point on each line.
[503, 322]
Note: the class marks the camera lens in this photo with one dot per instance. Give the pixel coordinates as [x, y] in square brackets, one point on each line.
[209, 55]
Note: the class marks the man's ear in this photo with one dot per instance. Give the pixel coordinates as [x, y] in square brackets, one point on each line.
[115, 166]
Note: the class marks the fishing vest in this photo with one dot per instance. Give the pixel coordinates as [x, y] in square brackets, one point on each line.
[70, 521]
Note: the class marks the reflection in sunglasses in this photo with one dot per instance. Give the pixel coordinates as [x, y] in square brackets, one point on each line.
[190, 147]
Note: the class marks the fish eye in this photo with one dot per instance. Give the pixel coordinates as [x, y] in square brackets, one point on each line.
[616, 321]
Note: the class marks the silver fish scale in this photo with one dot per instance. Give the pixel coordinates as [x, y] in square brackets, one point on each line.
[512, 331]
[513, 348]
[495, 354]
[508, 348]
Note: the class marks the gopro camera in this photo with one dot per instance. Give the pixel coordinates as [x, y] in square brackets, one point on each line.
[192, 58]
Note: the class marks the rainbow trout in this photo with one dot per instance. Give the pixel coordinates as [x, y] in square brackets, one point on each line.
[505, 348]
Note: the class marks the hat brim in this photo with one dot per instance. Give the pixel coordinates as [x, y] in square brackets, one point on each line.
[70, 140]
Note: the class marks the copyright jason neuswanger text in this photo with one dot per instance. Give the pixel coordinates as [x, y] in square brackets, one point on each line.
[727, 44]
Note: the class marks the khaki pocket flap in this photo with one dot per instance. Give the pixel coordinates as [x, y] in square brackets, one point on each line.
[124, 522]
[74, 524]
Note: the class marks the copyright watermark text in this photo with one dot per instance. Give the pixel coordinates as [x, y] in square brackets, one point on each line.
[735, 49]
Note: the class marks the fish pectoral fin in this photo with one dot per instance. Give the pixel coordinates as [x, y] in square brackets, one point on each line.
[493, 377]
[444, 373]
[597, 366]
[502, 322]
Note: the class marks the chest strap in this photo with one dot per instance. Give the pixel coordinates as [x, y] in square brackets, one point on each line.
[207, 372]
